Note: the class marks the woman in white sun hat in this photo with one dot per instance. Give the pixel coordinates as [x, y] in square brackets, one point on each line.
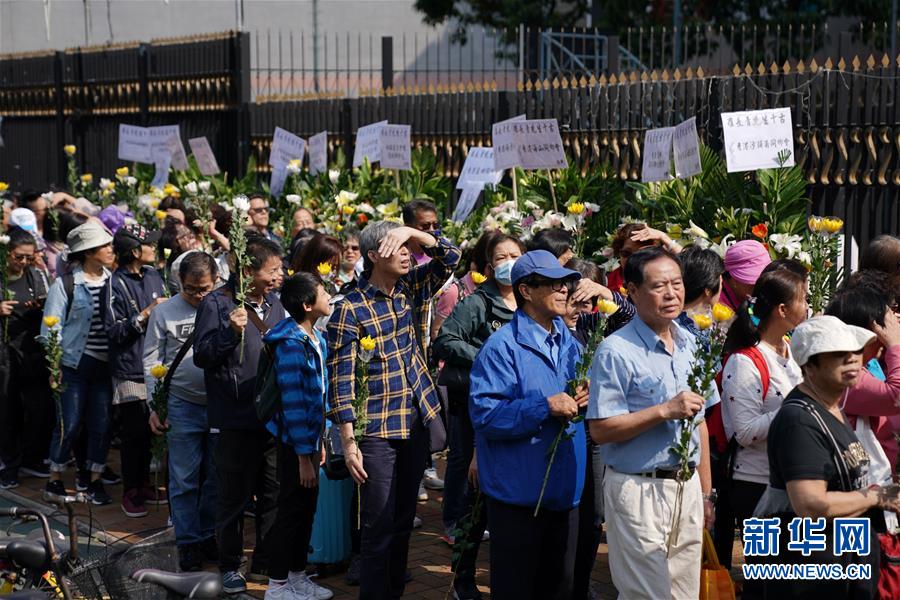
[818, 468]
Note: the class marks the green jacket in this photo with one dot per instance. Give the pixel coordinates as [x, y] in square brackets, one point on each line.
[470, 324]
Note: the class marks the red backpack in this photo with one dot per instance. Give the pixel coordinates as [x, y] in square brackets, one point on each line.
[718, 439]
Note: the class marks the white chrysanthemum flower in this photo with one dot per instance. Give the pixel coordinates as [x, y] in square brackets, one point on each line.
[333, 176]
[293, 199]
[191, 188]
[204, 186]
[241, 203]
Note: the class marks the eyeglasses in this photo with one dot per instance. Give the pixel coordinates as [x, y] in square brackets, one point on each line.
[258, 211]
[557, 285]
[433, 226]
[196, 291]
[26, 258]
[186, 236]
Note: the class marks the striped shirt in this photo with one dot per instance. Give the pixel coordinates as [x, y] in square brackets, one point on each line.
[398, 375]
[97, 342]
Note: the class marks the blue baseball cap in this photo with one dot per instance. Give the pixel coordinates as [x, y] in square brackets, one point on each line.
[543, 263]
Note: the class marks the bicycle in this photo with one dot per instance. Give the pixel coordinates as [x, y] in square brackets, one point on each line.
[35, 558]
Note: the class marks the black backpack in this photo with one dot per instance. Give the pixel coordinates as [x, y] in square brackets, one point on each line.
[267, 396]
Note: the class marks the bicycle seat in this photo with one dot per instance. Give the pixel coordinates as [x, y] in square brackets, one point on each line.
[186, 585]
[29, 554]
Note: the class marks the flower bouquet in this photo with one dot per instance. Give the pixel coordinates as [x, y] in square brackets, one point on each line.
[53, 355]
[238, 238]
[159, 404]
[363, 358]
[823, 240]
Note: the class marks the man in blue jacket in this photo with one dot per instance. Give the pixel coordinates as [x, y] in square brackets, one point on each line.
[245, 452]
[518, 402]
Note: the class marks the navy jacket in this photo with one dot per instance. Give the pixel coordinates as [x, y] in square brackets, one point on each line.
[230, 383]
[122, 299]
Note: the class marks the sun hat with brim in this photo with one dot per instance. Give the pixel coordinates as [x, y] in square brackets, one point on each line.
[543, 263]
[23, 218]
[88, 236]
[746, 260]
[820, 335]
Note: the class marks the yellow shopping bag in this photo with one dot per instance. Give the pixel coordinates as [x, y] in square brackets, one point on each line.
[715, 580]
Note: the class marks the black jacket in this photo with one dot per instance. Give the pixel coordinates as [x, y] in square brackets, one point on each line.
[230, 382]
[122, 299]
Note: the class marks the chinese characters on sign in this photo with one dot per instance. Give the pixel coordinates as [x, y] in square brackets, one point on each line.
[686, 145]
[134, 144]
[479, 169]
[286, 147]
[530, 144]
[755, 138]
[395, 147]
[206, 160]
[318, 153]
[762, 536]
[657, 152]
[368, 143]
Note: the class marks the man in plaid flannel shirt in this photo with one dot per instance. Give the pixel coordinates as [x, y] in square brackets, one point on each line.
[388, 460]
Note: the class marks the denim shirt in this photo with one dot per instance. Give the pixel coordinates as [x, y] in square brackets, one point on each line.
[76, 327]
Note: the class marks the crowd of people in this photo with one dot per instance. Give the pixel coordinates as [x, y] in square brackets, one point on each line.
[388, 344]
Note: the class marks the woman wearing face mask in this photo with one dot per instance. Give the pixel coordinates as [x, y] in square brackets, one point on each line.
[473, 320]
[759, 373]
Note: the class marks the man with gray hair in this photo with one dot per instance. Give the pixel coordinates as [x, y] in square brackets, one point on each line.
[389, 458]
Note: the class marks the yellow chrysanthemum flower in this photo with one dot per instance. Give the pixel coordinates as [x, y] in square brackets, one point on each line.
[161, 215]
[69, 149]
[167, 252]
[478, 278]
[607, 307]
[87, 178]
[122, 171]
[51, 321]
[576, 208]
[347, 210]
[171, 190]
[815, 223]
[3, 186]
[703, 321]
[722, 313]
[159, 371]
[367, 343]
[290, 272]
[832, 224]
[324, 269]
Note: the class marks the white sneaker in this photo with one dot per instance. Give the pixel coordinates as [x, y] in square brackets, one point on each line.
[279, 592]
[423, 495]
[431, 480]
[417, 522]
[486, 536]
[304, 588]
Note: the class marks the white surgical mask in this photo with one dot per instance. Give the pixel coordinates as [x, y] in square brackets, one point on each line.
[503, 272]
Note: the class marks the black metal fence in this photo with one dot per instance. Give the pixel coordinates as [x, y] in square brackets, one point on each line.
[81, 96]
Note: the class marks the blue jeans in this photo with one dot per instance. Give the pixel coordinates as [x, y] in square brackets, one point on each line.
[192, 475]
[86, 396]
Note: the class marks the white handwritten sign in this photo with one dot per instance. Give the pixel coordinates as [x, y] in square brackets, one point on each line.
[657, 154]
[318, 153]
[531, 144]
[206, 160]
[159, 137]
[467, 199]
[286, 147]
[276, 183]
[540, 145]
[754, 139]
[479, 169]
[396, 150]
[506, 151]
[161, 175]
[368, 143]
[134, 144]
[176, 151]
[686, 145]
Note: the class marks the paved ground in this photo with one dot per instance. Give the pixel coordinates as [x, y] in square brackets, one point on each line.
[429, 556]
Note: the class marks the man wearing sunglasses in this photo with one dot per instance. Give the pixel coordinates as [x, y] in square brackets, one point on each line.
[518, 403]
[259, 217]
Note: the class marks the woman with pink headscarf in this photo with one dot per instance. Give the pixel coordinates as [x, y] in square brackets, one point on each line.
[744, 262]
